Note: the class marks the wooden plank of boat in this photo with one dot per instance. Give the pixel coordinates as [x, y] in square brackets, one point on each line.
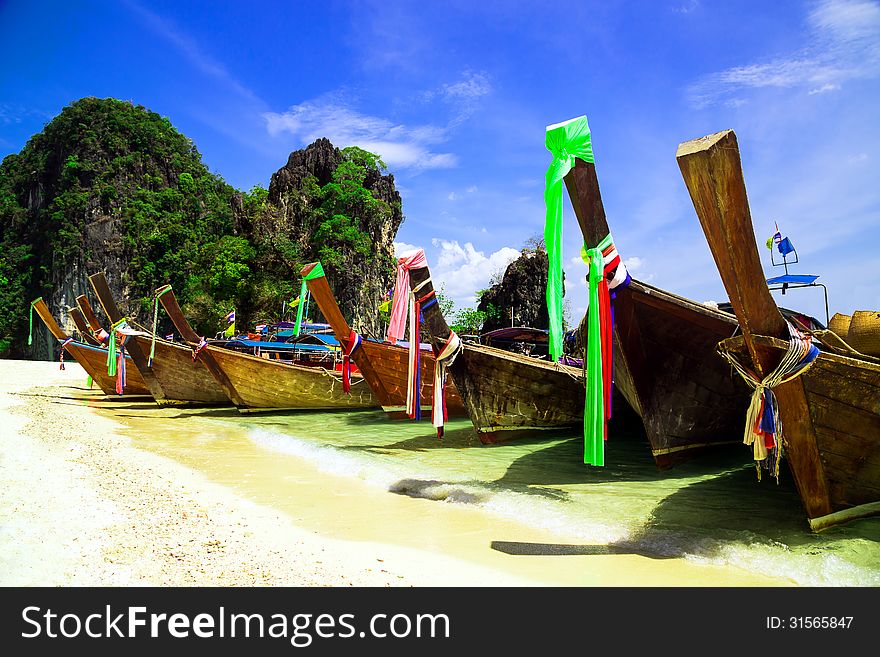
[82, 302]
[260, 384]
[173, 378]
[830, 412]
[665, 363]
[505, 393]
[92, 359]
[80, 322]
[382, 364]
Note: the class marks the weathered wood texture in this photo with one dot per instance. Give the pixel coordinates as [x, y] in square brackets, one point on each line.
[665, 363]
[712, 171]
[269, 384]
[92, 359]
[80, 322]
[88, 312]
[503, 391]
[384, 366]
[169, 303]
[173, 377]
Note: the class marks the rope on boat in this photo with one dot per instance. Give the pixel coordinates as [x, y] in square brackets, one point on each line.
[61, 355]
[159, 293]
[763, 430]
[445, 358]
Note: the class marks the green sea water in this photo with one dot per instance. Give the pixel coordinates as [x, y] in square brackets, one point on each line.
[711, 510]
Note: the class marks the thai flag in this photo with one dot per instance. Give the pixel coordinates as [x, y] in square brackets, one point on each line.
[230, 317]
[170, 337]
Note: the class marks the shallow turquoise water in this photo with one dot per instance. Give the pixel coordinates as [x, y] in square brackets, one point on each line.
[712, 510]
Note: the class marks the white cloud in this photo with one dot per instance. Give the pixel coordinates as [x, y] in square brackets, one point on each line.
[843, 44]
[462, 270]
[398, 145]
[452, 196]
[825, 88]
[403, 247]
[472, 189]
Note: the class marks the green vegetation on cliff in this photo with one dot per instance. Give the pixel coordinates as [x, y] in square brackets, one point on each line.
[110, 186]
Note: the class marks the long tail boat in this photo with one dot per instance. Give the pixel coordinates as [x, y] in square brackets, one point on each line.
[830, 428]
[82, 326]
[504, 393]
[664, 359]
[93, 359]
[382, 364]
[260, 384]
[169, 370]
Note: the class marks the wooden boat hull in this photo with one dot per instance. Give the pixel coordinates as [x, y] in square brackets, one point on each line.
[505, 392]
[390, 363]
[667, 368]
[263, 384]
[94, 361]
[664, 352]
[844, 400]
[182, 380]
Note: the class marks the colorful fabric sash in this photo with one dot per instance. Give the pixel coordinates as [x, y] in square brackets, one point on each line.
[61, 355]
[159, 293]
[198, 348]
[317, 272]
[31, 321]
[566, 141]
[354, 343]
[397, 324]
[763, 430]
[445, 358]
[414, 362]
[606, 273]
[116, 362]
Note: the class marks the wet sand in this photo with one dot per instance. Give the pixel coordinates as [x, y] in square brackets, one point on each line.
[114, 493]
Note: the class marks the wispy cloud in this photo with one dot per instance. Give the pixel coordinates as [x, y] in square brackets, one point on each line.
[844, 44]
[400, 146]
[16, 113]
[330, 116]
[191, 50]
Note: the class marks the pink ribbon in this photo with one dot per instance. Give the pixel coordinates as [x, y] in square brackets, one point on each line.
[406, 261]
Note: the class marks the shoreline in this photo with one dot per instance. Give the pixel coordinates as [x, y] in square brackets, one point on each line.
[91, 501]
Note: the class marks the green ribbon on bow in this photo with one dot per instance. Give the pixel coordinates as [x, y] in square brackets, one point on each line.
[566, 141]
[317, 272]
[594, 399]
[31, 322]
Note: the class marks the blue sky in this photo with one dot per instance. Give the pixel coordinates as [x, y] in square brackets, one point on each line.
[456, 96]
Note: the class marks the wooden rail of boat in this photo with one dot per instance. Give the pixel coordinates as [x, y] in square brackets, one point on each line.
[384, 366]
[260, 384]
[506, 393]
[174, 378]
[85, 332]
[82, 302]
[92, 359]
[829, 414]
[665, 363]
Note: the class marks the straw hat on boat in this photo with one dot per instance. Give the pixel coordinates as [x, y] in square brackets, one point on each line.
[864, 332]
[840, 324]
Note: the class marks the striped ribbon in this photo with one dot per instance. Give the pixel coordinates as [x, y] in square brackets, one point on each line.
[31, 321]
[159, 293]
[61, 355]
[198, 348]
[101, 335]
[111, 346]
[606, 273]
[445, 358]
[353, 344]
[120, 375]
[763, 430]
[414, 368]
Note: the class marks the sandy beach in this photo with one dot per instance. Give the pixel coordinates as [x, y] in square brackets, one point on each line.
[82, 504]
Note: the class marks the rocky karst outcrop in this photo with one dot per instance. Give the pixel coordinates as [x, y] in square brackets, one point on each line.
[520, 298]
